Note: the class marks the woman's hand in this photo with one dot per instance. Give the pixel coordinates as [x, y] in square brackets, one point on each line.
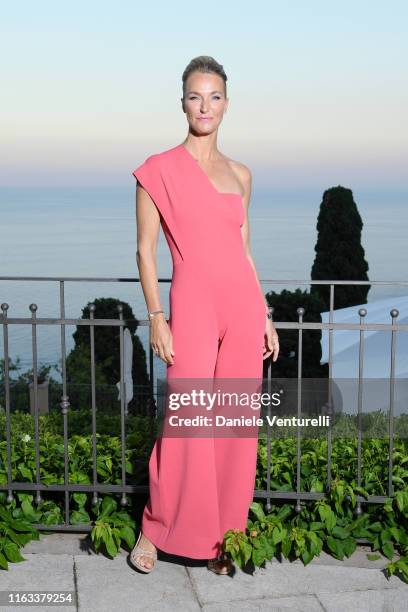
[161, 339]
[271, 341]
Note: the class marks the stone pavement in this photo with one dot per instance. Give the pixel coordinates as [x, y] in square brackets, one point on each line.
[65, 562]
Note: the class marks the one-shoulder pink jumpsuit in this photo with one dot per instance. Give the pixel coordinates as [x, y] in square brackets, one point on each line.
[202, 487]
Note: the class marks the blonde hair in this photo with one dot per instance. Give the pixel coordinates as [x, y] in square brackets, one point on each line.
[204, 63]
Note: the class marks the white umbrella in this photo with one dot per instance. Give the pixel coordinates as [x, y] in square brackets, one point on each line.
[377, 356]
[127, 366]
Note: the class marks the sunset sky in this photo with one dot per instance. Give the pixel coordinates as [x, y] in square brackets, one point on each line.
[318, 90]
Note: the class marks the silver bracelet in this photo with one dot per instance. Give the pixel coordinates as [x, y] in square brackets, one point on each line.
[152, 314]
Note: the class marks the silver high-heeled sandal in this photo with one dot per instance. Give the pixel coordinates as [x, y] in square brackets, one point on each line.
[138, 551]
[220, 565]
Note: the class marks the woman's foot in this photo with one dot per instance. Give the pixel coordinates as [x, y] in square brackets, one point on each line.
[220, 565]
[146, 561]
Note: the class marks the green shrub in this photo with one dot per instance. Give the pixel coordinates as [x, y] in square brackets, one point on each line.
[329, 524]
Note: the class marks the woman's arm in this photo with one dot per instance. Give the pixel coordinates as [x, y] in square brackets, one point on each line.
[271, 336]
[148, 227]
[246, 179]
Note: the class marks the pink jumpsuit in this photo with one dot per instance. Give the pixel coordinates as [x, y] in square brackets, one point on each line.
[200, 487]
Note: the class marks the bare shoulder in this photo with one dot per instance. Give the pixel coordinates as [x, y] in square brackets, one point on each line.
[241, 170]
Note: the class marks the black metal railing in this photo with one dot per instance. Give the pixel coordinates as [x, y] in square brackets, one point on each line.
[125, 489]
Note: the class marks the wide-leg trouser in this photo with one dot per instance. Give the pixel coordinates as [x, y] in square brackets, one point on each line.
[200, 487]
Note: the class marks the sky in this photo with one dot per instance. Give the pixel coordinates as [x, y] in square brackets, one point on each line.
[318, 90]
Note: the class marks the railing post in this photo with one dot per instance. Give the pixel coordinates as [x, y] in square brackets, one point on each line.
[93, 402]
[5, 307]
[33, 308]
[330, 393]
[300, 311]
[362, 312]
[64, 399]
[268, 435]
[124, 500]
[394, 314]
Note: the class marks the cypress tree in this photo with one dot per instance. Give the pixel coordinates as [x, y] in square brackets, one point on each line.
[107, 358]
[285, 305]
[339, 253]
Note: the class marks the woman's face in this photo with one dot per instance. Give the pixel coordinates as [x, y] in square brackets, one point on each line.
[204, 102]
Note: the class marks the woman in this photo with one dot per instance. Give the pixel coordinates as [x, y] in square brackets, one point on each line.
[219, 324]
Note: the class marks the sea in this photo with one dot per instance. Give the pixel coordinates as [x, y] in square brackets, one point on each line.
[90, 233]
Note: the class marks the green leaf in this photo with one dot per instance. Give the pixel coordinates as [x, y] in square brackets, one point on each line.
[327, 516]
[388, 550]
[246, 551]
[375, 526]
[401, 565]
[340, 532]
[80, 477]
[128, 535]
[29, 511]
[3, 561]
[108, 506]
[349, 546]
[257, 509]
[79, 516]
[20, 525]
[284, 512]
[361, 491]
[396, 533]
[317, 486]
[316, 544]
[307, 556]
[116, 537]
[111, 547]
[238, 558]
[362, 533]
[27, 507]
[400, 498]
[12, 552]
[372, 557]
[25, 472]
[17, 538]
[336, 547]
[287, 476]
[268, 546]
[6, 514]
[286, 546]
[385, 536]
[258, 556]
[80, 498]
[315, 526]
[276, 535]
